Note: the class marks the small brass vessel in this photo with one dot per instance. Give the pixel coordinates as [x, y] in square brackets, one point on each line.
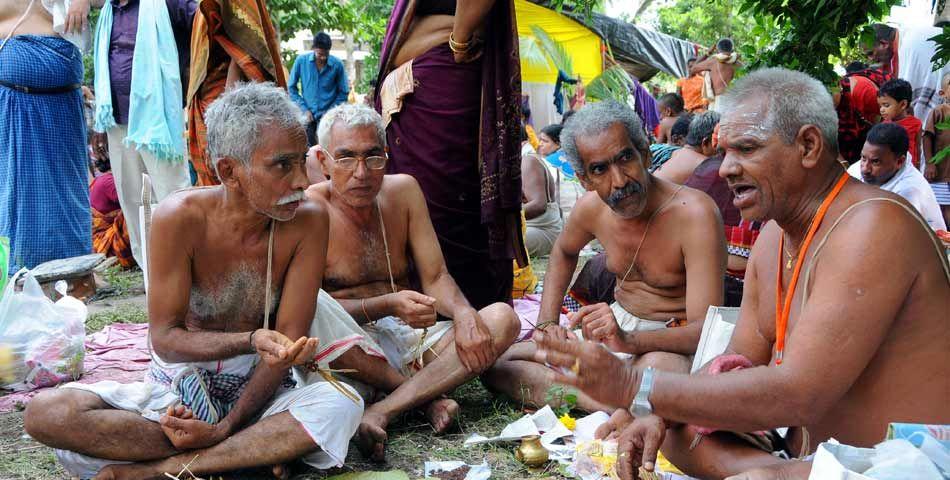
[531, 452]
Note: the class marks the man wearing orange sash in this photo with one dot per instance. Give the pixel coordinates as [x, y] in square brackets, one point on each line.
[842, 327]
[231, 41]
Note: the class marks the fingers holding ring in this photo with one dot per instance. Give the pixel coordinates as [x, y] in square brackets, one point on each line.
[576, 368]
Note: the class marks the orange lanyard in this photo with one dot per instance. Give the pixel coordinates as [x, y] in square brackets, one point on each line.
[783, 309]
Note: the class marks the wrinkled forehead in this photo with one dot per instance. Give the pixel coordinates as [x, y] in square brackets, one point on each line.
[353, 138]
[748, 118]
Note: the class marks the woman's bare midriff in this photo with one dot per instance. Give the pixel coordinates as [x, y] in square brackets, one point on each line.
[38, 22]
[426, 32]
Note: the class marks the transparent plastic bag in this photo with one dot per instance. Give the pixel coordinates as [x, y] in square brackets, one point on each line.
[41, 343]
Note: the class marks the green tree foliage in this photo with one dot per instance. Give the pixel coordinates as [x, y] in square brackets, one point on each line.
[364, 19]
[808, 35]
[704, 22]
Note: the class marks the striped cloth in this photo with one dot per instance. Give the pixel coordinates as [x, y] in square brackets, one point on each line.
[44, 201]
[942, 192]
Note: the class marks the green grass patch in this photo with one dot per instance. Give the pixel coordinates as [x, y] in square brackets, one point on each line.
[122, 282]
[120, 314]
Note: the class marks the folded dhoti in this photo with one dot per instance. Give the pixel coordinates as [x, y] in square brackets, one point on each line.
[209, 389]
[388, 338]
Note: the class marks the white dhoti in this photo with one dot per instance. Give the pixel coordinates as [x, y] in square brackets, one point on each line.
[329, 417]
[387, 338]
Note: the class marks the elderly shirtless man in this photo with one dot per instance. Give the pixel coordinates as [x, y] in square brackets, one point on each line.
[226, 263]
[379, 227]
[663, 242]
[838, 346]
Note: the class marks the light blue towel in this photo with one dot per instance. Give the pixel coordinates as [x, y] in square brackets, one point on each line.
[156, 117]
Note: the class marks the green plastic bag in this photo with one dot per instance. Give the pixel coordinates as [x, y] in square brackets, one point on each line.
[4, 262]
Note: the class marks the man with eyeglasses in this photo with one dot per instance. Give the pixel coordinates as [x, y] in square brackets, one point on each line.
[664, 246]
[392, 296]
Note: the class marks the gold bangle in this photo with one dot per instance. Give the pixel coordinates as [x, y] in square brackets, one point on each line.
[459, 47]
[363, 306]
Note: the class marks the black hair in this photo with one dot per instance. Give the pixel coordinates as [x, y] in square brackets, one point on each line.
[724, 45]
[526, 112]
[673, 101]
[523, 132]
[690, 59]
[883, 33]
[103, 164]
[553, 131]
[566, 115]
[890, 135]
[855, 66]
[322, 40]
[898, 89]
[681, 127]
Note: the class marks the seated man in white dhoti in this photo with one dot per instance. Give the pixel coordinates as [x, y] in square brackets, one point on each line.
[226, 264]
[663, 242]
[379, 227]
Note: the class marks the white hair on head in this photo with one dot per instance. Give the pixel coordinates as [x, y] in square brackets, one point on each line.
[352, 115]
[595, 118]
[235, 119]
[793, 100]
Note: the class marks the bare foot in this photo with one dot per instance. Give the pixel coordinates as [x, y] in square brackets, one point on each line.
[442, 413]
[129, 471]
[371, 436]
[281, 472]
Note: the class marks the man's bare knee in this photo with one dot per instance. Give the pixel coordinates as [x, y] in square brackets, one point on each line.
[665, 361]
[503, 323]
[48, 413]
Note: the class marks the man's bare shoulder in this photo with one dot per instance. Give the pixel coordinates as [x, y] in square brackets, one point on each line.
[187, 207]
[588, 211]
[310, 215]
[319, 191]
[401, 189]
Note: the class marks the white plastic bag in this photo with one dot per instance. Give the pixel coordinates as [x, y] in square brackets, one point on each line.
[43, 342]
[890, 460]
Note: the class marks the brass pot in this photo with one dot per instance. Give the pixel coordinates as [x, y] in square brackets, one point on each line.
[531, 452]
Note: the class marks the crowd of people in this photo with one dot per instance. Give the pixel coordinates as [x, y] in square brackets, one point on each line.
[342, 263]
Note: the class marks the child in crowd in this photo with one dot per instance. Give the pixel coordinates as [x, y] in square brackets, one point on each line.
[894, 97]
[936, 139]
[670, 106]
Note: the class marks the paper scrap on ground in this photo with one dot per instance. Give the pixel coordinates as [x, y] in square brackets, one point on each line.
[476, 472]
[585, 427]
[543, 420]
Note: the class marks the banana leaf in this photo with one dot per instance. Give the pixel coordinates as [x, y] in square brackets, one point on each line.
[613, 84]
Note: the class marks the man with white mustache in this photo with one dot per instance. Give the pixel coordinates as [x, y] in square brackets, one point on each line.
[663, 242]
[234, 274]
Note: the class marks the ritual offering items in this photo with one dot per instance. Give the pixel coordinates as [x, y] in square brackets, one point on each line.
[531, 452]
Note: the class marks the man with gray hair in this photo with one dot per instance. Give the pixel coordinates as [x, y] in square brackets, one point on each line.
[392, 295]
[234, 272]
[837, 335]
[699, 146]
[663, 242]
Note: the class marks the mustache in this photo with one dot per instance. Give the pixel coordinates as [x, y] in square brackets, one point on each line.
[297, 196]
[628, 190]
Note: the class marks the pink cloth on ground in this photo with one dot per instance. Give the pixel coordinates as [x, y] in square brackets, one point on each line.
[527, 309]
[118, 352]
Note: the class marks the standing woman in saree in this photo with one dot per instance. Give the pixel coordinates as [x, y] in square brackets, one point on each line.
[232, 41]
[44, 198]
[449, 91]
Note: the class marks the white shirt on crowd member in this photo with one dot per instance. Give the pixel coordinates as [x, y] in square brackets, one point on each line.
[909, 183]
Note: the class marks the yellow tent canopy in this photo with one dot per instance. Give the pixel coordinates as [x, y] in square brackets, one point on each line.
[583, 45]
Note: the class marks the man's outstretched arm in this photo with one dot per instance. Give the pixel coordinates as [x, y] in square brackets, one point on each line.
[563, 260]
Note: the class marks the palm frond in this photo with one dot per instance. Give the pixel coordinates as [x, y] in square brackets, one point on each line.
[613, 84]
[532, 54]
[554, 50]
